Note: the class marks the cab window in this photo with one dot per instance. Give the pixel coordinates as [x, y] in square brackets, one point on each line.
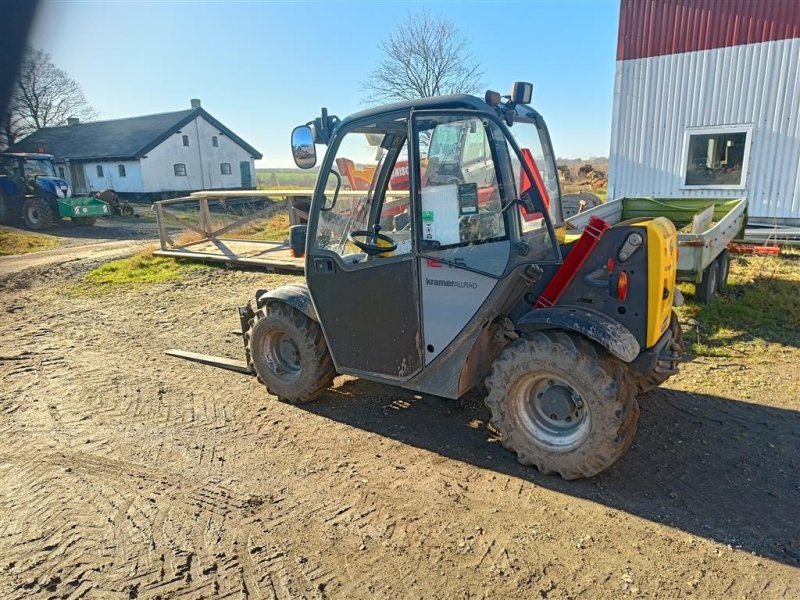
[461, 201]
[368, 185]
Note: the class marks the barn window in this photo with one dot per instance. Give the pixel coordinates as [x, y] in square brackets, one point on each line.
[99, 170]
[716, 157]
[180, 169]
[186, 140]
[214, 141]
[225, 168]
[122, 171]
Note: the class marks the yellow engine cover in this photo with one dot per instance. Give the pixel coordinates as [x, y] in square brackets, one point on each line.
[662, 263]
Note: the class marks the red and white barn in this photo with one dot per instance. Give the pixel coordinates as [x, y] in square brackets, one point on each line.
[707, 103]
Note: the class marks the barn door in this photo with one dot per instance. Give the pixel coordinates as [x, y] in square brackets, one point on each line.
[247, 179]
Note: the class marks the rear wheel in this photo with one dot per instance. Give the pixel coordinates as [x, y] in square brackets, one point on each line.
[38, 214]
[724, 261]
[707, 288]
[562, 404]
[287, 351]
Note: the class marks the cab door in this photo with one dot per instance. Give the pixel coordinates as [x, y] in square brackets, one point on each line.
[465, 235]
[368, 306]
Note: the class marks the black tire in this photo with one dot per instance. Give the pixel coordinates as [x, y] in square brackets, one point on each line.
[38, 214]
[707, 289]
[552, 370]
[654, 379]
[84, 221]
[724, 261]
[288, 353]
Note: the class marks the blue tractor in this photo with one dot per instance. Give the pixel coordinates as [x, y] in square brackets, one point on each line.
[31, 191]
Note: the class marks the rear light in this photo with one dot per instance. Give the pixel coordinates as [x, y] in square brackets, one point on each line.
[622, 286]
[610, 266]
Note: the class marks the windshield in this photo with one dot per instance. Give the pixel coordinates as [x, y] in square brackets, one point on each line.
[39, 167]
[531, 136]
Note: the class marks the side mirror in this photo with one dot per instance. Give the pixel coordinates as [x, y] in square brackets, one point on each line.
[303, 149]
[521, 93]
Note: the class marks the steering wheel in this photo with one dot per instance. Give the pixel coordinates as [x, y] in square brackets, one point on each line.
[369, 241]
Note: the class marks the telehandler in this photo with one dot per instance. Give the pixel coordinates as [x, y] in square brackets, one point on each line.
[465, 276]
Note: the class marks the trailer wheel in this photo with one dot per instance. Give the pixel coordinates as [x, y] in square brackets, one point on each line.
[84, 221]
[562, 404]
[287, 351]
[37, 214]
[654, 379]
[707, 288]
[724, 260]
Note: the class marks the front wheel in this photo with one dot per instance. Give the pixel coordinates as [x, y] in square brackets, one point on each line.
[562, 404]
[38, 214]
[287, 351]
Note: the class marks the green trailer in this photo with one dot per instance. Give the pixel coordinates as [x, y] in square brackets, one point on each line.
[705, 228]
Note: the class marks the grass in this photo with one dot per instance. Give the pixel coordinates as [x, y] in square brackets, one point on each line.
[275, 228]
[762, 305]
[18, 242]
[285, 178]
[142, 268]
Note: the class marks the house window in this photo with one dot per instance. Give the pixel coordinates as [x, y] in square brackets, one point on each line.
[186, 140]
[99, 170]
[180, 169]
[225, 168]
[122, 171]
[716, 157]
[214, 141]
[61, 172]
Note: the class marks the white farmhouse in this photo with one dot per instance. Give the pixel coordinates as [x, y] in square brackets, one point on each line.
[707, 103]
[148, 157]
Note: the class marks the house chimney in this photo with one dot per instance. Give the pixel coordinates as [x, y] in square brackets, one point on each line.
[195, 102]
[73, 120]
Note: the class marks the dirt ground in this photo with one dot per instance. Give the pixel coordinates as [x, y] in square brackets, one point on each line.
[128, 474]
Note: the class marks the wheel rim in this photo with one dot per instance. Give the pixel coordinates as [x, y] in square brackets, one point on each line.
[283, 356]
[551, 412]
[33, 215]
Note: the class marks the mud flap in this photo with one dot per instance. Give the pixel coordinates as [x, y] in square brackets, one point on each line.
[611, 335]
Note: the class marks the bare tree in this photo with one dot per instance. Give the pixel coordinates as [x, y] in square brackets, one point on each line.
[44, 96]
[426, 56]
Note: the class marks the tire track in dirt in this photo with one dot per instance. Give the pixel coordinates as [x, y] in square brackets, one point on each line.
[159, 523]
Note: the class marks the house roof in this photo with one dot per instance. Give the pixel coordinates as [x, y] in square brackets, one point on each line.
[118, 139]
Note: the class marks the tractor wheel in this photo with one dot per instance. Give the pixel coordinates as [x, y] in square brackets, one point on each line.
[38, 214]
[562, 404]
[84, 221]
[724, 261]
[653, 380]
[287, 351]
[707, 289]
[4, 209]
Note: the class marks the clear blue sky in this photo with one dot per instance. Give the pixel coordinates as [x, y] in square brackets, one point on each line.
[263, 67]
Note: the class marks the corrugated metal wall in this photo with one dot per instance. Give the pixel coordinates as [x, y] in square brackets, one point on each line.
[658, 27]
[656, 99]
